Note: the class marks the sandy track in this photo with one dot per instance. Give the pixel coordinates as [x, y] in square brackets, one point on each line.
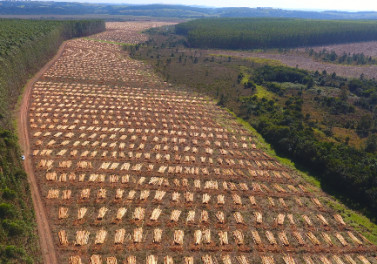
[44, 231]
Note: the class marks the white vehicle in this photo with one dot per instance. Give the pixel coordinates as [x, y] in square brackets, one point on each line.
[23, 157]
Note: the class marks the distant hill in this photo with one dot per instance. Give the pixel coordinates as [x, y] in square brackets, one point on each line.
[172, 11]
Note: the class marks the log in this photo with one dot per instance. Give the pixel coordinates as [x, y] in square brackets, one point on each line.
[363, 259]
[280, 219]
[138, 214]
[268, 260]
[100, 237]
[119, 194]
[271, 238]
[341, 239]
[157, 235]
[190, 216]
[168, 260]
[258, 217]
[238, 237]
[81, 213]
[63, 212]
[176, 196]
[207, 236]
[223, 236]
[206, 198]
[313, 238]
[119, 236]
[131, 195]
[144, 194]
[242, 259]
[95, 259]
[204, 216]
[256, 238]
[220, 199]
[349, 259]
[82, 238]
[174, 217]
[120, 213]
[111, 260]
[197, 237]
[237, 199]
[131, 260]
[308, 260]
[323, 219]
[159, 195]
[299, 238]
[283, 238]
[207, 259]
[189, 197]
[220, 217]
[53, 194]
[188, 260]
[289, 259]
[101, 194]
[238, 217]
[75, 260]
[252, 200]
[337, 260]
[324, 259]
[101, 213]
[327, 239]
[307, 220]
[63, 239]
[354, 239]
[151, 259]
[155, 214]
[138, 235]
[178, 237]
[85, 193]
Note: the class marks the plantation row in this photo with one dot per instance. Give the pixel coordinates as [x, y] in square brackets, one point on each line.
[261, 33]
[225, 258]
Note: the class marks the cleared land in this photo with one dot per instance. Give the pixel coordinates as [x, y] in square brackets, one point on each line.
[303, 61]
[133, 171]
[369, 48]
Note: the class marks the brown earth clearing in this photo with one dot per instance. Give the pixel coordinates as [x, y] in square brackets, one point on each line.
[298, 58]
[132, 170]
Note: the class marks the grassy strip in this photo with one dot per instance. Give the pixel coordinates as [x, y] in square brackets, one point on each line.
[358, 221]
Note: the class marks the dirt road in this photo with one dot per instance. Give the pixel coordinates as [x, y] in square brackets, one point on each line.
[45, 235]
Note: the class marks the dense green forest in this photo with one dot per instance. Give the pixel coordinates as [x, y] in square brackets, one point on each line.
[263, 33]
[325, 123]
[24, 47]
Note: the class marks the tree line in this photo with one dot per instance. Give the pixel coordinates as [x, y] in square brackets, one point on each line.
[25, 46]
[263, 33]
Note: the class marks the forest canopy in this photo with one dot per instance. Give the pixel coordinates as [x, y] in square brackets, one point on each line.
[261, 33]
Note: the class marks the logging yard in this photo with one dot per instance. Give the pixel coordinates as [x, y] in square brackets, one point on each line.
[130, 169]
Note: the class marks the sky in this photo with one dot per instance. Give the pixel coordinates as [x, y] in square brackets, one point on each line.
[344, 5]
